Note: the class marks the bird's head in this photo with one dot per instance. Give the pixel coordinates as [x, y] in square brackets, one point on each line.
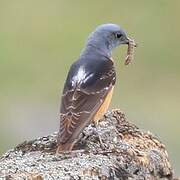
[111, 34]
[106, 37]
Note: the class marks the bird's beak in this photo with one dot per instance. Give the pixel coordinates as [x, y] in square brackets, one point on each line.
[126, 40]
[130, 41]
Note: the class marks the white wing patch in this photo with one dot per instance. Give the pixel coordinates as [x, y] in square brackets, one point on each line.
[81, 74]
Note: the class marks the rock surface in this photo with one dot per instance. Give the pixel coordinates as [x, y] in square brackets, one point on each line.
[115, 149]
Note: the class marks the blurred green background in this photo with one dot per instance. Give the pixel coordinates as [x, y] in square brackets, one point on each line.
[39, 39]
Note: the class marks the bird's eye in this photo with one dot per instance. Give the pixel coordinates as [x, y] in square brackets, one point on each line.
[118, 35]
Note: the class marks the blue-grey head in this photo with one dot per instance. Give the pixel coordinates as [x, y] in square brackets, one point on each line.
[105, 38]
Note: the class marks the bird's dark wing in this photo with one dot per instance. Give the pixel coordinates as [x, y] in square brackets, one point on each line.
[83, 95]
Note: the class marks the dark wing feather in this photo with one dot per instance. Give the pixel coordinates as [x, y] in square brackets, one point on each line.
[82, 99]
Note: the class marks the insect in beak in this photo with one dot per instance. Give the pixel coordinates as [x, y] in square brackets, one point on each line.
[130, 51]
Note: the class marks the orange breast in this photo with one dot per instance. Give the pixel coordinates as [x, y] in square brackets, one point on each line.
[104, 107]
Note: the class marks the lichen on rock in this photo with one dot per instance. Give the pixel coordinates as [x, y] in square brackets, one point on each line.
[114, 149]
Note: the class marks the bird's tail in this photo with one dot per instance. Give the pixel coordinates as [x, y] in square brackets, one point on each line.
[65, 147]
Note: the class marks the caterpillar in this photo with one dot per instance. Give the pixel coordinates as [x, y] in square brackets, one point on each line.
[130, 51]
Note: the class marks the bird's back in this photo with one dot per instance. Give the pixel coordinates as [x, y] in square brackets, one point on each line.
[87, 83]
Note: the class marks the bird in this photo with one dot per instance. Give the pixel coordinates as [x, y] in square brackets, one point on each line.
[89, 85]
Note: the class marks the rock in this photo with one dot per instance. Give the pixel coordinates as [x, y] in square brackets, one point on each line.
[115, 149]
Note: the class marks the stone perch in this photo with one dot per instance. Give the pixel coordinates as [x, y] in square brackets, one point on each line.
[115, 149]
